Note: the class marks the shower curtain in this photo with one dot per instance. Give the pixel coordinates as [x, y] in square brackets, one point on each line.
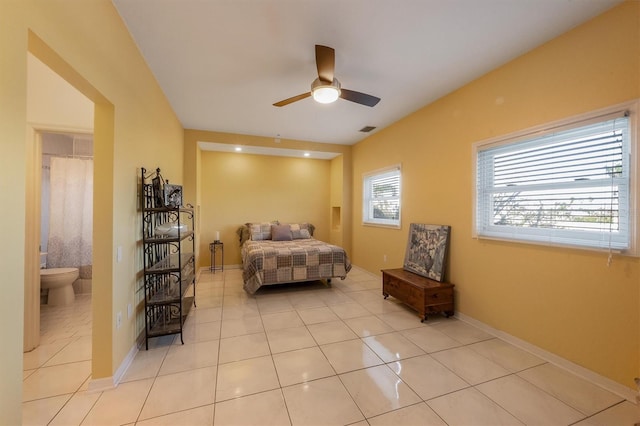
[71, 214]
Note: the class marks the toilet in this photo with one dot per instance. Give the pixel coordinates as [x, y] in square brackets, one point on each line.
[59, 283]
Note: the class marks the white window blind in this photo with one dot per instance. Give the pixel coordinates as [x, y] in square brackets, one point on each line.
[381, 197]
[570, 187]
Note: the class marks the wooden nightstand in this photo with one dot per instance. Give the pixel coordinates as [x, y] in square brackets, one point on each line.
[422, 294]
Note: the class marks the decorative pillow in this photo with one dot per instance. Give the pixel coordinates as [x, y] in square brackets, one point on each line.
[260, 231]
[281, 233]
[244, 234]
[301, 231]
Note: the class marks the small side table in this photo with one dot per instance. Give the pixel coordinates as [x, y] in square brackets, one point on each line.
[214, 248]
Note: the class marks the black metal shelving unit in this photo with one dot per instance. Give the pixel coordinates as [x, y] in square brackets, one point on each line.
[169, 262]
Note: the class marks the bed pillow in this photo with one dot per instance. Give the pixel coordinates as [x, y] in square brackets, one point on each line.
[281, 233]
[301, 231]
[260, 231]
[244, 234]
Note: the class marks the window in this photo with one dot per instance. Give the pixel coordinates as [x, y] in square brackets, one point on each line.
[569, 186]
[381, 197]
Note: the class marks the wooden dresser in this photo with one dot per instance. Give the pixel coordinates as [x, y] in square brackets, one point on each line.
[422, 294]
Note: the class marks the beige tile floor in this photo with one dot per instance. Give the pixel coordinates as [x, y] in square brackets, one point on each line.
[308, 355]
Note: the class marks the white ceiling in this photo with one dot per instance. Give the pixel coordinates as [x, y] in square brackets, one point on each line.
[223, 63]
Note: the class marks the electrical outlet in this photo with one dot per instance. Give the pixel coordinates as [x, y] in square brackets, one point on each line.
[384, 258]
[129, 310]
[118, 319]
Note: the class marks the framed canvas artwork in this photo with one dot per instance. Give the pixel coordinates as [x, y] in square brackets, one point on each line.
[427, 250]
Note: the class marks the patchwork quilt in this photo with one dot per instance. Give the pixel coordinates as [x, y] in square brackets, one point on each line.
[273, 262]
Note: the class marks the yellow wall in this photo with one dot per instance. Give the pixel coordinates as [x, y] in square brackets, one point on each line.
[53, 103]
[336, 202]
[88, 45]
[565, 301]
[337, 184]
[240, 188]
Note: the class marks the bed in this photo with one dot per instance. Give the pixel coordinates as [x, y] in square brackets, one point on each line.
[274, 253]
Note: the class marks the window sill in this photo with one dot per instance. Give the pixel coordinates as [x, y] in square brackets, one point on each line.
[381, 225]
[625, 253]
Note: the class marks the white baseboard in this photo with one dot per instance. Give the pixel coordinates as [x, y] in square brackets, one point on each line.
[106, 383]
[100, 385]
[595, 378]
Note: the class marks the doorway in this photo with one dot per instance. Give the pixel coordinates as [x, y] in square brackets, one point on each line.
[50, 109]
[65, 123]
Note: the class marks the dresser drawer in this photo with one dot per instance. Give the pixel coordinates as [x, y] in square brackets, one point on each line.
[438, 297]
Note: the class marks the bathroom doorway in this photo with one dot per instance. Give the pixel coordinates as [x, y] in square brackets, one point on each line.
[61, 100]
[60, 124]
[66, 195]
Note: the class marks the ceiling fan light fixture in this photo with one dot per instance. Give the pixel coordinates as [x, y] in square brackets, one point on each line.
[325, 93]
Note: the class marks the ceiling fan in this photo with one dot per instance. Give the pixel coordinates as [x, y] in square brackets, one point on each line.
[326, 88]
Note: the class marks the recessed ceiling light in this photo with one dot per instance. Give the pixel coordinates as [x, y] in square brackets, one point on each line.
[238, 148]
[306, 154]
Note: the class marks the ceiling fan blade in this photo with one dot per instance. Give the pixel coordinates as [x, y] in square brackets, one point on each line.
[292, 99]
[359, 98]
[325, 62]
